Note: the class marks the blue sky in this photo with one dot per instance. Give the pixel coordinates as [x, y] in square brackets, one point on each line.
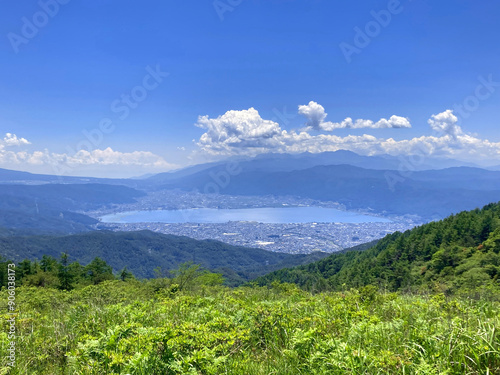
[419, 58]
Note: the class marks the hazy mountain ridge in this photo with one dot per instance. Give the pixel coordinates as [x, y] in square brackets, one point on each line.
[430, 194]
[51, 207]
[306, 160]
[55, 203]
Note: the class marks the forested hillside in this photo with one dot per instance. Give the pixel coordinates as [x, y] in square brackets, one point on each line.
[190, 324]
[83, 319]
[460, 252]
[144, 251]
[52, 208]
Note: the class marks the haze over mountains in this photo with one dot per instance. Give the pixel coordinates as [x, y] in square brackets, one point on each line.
[56, 208]
[265, 162]
[380, 184]
[383, 184]
[291, 162]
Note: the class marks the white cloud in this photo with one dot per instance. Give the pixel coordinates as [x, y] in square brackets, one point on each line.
[394, 121]
[109, 157]
[316, 115]
[84, 157]
[12, 140]
[445, 122]
[246, 133]
[237, 130]
[98, 162]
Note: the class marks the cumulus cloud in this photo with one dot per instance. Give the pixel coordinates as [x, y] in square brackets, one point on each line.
[445, 123]
[110, 157]
[237, 130]
[316, 116]
[240, 133]
[394, 121]
[43, 161]
[12, 140]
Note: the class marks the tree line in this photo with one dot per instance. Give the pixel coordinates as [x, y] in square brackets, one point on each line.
[61, 273]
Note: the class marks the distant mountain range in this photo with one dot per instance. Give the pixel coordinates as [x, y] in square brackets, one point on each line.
[264, 162]
[292, 162]
[494, 168]
[383, 184]
[15, 177]
[430, 194]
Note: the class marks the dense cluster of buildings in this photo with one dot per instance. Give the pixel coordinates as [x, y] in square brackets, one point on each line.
[290, 238]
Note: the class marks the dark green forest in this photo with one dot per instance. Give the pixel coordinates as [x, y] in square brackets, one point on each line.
[458, 253]
[144, 251]
[421, 302]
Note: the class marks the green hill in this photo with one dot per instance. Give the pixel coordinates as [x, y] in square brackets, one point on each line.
[54, 208]
[77, 320]
[141, 252]
[459, 252]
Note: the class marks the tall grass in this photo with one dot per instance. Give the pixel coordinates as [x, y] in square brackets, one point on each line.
[136, 328]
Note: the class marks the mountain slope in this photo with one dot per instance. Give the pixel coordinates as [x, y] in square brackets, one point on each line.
[291, 162]
[425, 193]
[459, 252]
[51, 207]
[141, 252]
[8, 176]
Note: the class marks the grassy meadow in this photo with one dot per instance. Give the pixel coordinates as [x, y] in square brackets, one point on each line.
[194, 325]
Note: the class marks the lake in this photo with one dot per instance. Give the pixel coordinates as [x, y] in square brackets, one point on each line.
[278, 215]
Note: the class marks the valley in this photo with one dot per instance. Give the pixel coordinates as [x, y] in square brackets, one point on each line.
[231, 187]
[286, 238]
[295, 235]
